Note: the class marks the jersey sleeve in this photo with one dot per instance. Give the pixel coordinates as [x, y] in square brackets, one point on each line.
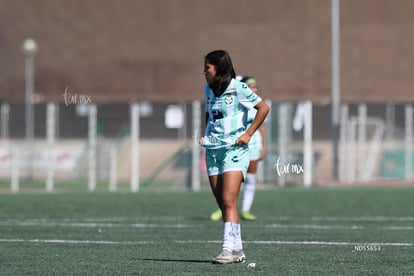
[246, 96]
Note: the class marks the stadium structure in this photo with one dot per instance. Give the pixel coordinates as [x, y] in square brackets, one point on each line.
[113, 55]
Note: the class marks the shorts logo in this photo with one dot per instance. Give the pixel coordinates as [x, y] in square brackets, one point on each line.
[228, 99]
[235, 159]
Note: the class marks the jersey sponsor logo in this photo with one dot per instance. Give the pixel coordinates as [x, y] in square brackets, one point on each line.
[235, 159]
[244, 86]
[228, 99]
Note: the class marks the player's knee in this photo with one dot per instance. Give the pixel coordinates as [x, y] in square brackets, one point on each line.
[229, 204]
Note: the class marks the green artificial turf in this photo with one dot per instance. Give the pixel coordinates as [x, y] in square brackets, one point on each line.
[298, 231]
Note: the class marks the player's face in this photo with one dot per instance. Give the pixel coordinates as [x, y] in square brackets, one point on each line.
[253, 87]
[209, 72]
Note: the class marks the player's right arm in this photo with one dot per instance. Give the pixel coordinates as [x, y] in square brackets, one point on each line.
[200, 141]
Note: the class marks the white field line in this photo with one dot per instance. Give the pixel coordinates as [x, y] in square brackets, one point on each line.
[75, 241]
[279, 242]
[94, 225]
[343, 219]
[315, 226]
[274, 218]
[323, 243]
[364, 219]
[408, 228]
[46, 223]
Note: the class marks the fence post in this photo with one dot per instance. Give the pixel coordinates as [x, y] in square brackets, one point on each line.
[195, 174]
[362, 138]
[4, 124]
[50, 136]
[307, 148]
[351, 167]
[135, 147]
[283, 140]
[408, 141]
[92, 147]
[113, 168]
[344, 143]
[14, 172]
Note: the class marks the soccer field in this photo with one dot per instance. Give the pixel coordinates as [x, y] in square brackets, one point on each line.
[317, 231]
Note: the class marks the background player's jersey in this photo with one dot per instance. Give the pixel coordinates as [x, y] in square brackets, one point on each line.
[227, 114]
[256, 139]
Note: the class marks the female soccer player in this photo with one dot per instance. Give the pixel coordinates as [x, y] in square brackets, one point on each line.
[226, 139]
[257, 152]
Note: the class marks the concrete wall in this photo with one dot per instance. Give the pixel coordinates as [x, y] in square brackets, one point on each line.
[126, 50]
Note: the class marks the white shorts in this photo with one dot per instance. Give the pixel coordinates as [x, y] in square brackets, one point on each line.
[254, 152]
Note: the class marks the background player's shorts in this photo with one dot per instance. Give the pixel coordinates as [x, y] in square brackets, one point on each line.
[254, 151]
[224, 160]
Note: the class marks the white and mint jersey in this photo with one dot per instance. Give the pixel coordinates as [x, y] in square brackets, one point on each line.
[227, 114]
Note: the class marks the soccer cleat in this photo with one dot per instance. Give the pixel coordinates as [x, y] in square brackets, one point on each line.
[238, 256]
[216, 215]
[225, 257]
[246, 215]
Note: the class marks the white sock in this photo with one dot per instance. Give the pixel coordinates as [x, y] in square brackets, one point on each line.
[248, 191]
[238, 242]
[229, 235]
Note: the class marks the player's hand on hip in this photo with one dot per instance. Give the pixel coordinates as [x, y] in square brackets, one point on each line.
[243, 140]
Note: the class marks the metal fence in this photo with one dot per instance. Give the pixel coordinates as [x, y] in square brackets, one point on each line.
[135, 146]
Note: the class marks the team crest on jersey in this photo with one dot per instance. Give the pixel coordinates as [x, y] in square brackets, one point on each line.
[244, 86]
[228, 99]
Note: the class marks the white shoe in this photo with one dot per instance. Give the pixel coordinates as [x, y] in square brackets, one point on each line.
[238, 256]
[225, 257]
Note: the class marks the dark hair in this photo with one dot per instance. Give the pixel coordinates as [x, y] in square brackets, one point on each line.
[224, 70]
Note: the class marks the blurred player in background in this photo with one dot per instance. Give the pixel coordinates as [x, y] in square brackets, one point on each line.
[257, 150]
[226, 139]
